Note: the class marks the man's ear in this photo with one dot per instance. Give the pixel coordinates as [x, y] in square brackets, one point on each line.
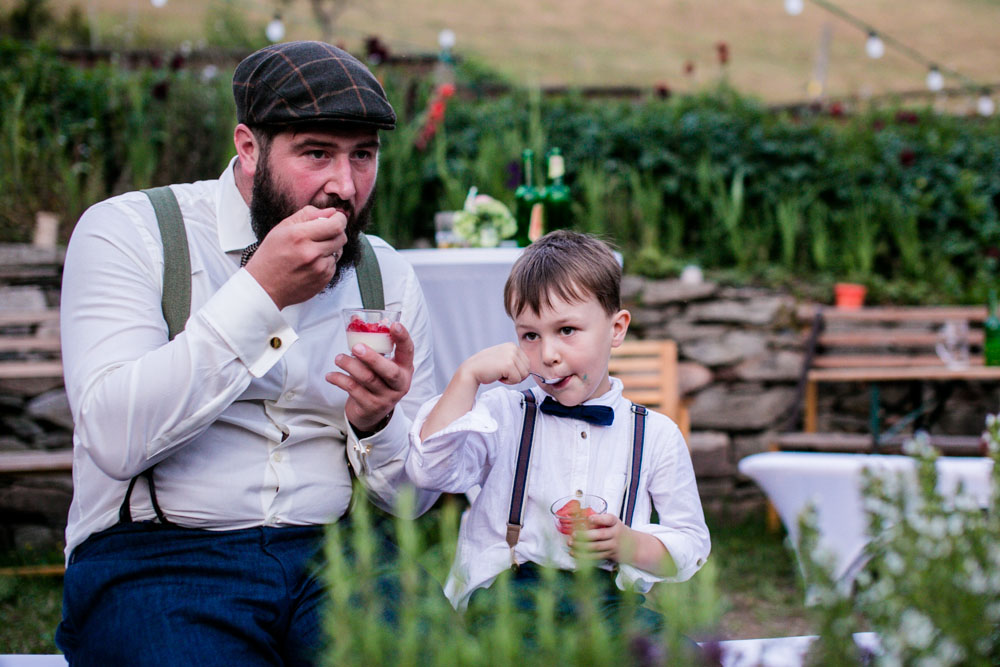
[247, 149]
[619, 327]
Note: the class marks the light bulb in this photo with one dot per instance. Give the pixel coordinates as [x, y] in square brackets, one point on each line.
[275, 30]
[935, 81]
[446, 39]
[793, 7]
[158, 3]
[985, 106]
[874, 47]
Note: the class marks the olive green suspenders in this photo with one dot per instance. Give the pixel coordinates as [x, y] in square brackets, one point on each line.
[176, 300]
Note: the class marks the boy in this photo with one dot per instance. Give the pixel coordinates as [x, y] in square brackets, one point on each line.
[563, 295]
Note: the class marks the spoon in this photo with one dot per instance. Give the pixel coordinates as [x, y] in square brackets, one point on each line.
[543, 380]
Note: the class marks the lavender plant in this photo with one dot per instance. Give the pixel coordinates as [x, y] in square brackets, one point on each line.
[390, 610]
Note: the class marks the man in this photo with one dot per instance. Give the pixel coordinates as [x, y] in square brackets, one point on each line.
[207, 559]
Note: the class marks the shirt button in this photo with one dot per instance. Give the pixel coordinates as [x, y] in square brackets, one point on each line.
[277, 457]
[275, 342]
[289, 395]
[583, 434]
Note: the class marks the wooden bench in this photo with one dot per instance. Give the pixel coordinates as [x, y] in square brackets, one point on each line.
[876, 345]
[29, 345]
[650, 376]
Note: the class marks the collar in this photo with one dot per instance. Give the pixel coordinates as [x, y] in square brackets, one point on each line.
[232, 213]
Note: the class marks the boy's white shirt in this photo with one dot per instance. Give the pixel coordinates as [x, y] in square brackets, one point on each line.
[480, 448]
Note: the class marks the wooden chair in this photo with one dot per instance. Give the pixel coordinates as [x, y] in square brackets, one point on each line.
[649, 372]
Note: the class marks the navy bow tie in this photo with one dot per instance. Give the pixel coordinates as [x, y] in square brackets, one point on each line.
[599, 415]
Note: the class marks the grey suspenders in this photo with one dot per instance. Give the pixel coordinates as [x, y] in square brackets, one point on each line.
[176, 299]
[524, 459]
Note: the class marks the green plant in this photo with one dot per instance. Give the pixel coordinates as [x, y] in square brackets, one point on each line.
[931, 590]
[425, 630]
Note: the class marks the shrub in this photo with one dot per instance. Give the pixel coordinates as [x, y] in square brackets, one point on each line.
[931, 590]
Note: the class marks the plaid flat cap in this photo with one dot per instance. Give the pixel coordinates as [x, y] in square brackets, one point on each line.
[299, 82]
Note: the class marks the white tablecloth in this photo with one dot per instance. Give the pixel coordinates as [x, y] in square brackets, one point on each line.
[464, 292]
[833, 482]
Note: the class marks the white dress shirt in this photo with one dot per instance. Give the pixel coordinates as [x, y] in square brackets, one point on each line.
[567, 456]
[235, 412]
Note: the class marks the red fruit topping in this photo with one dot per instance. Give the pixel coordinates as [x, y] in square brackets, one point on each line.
[573, 517]
[358, 324]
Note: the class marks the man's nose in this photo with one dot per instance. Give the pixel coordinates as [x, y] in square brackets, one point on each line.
[340, 178]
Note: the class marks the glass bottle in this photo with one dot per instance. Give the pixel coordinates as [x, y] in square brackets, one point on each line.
[991, 333]
[557, 197]
[525, 197]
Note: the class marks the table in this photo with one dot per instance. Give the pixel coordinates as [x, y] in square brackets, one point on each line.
[791, 480]
[464, 292]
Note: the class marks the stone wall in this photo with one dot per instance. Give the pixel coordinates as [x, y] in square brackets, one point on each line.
[741, 352]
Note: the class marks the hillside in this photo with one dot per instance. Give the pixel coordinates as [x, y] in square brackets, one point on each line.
[604, 42]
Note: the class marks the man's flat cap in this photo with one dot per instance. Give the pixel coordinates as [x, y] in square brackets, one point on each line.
[307, 82]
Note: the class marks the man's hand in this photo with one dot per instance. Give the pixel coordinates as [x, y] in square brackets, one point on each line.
[374, 384]
[297, 258]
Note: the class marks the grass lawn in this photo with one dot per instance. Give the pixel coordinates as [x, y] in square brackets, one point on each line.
[757, 581]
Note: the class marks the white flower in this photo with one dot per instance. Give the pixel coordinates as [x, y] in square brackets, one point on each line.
[916, 629]
[894, 562]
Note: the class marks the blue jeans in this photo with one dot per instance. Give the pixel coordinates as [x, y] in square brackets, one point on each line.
[150, 594]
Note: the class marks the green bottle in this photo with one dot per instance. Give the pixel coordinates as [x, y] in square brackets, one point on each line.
[991, 333]
[525, 198]
[557, 197]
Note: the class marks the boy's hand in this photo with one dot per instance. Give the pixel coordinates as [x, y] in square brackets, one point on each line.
[506, 363]
[606, 537]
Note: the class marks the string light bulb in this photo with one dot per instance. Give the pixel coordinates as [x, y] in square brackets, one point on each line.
[446, 39]
[935, 81]
[985, 105]
[275, 30]
[874, 46]
[793, 7]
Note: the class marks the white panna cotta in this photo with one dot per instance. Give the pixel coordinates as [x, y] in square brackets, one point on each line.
[380, 342]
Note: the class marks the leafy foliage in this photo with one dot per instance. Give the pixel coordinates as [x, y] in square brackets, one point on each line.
[906, 202]
[931, 591]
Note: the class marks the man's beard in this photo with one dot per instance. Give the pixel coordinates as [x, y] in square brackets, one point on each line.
[269, 206]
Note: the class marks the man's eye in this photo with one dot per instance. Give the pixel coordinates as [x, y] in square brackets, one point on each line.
[565, 331]
[363, 155]
[317, 154]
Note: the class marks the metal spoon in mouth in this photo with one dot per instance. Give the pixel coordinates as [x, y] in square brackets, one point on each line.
[545, 381]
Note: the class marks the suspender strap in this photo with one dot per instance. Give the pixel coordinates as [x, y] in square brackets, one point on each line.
[521, 474]
[176, 301]
[369, 276]
[638, 436]
[125, 511]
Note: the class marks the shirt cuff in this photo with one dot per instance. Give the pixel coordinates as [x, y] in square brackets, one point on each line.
[681, 550]
[379, 448]
[246, 318]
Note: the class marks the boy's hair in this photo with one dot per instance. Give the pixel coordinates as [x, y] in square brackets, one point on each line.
[565, 264]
